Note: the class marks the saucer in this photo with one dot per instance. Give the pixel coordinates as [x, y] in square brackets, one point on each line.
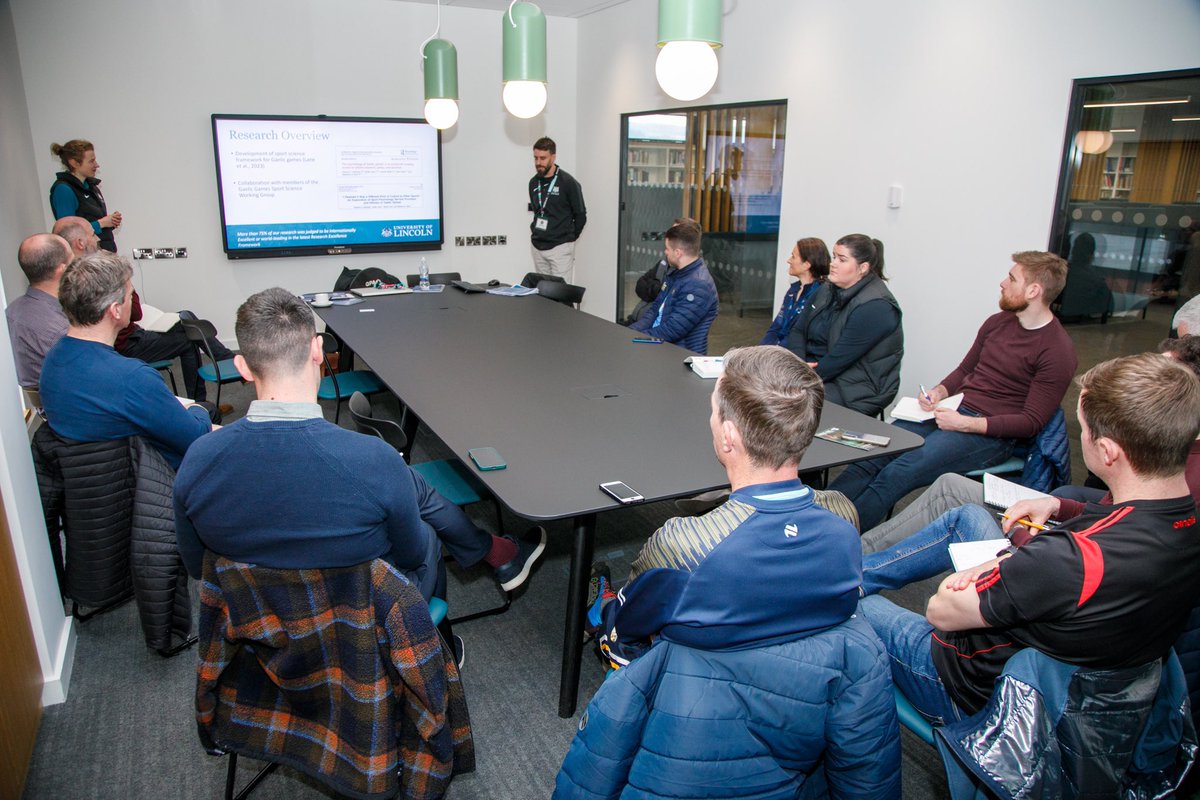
[326, 304]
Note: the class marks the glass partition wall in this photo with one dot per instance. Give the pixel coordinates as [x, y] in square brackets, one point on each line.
[1128, 211]
[723, 167]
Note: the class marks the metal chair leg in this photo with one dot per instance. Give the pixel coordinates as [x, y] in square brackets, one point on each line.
[231, 776]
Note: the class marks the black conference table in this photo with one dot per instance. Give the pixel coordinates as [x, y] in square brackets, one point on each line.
[569, 401]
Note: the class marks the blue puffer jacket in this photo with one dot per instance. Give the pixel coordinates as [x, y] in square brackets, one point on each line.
[688, 304]
[813, 717]
[1048, 462]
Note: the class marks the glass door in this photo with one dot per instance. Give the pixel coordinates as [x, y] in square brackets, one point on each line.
[723, 167]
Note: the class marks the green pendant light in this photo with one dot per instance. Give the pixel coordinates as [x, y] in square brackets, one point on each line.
[524, 59]
[441, 79]
[689, 31]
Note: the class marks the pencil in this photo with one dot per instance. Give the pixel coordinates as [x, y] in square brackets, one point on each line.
[1026, 522]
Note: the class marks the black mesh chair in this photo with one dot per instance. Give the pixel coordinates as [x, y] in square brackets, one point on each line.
[532, 279]
[562, 292]
[435, 278]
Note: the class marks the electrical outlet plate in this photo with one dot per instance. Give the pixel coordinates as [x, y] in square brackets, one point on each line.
[181, 252]
[472, 241]
[489, 240]
[164, 252]
[459, 241]
[501, 240]
[140, 253]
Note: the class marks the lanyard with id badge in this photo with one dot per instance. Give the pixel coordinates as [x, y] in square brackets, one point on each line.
[541, 223]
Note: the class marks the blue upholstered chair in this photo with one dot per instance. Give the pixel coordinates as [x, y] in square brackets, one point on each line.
[339, 386]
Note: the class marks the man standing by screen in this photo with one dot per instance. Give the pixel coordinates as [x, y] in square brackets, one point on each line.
[556, 200]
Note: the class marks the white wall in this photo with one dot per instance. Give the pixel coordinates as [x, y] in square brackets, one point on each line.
[53, 632]
[160, 69]
[963, 104]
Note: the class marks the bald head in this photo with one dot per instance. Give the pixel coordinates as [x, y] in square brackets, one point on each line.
[43, 257]
[79, 235]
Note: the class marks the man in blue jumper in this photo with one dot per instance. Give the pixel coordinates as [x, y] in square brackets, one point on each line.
[687, 305]
[284, 488]
[90, 392]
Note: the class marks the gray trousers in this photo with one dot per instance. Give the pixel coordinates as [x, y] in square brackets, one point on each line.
[947, 492]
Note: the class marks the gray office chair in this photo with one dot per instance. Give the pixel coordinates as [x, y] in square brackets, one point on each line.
[566, 293]
[435, 278]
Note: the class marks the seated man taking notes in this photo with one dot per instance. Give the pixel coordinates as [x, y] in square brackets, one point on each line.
[1109, 588]
[1012, 380]
[284, 488]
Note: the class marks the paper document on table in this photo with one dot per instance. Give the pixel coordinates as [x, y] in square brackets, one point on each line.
[1001, 493]
[909, 409]
[512, 291]
[706, 366]
[155, 319]
[965, 555]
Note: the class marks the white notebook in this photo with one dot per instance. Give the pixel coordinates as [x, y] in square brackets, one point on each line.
[1002, 494]
[971, 554]
[909, 409]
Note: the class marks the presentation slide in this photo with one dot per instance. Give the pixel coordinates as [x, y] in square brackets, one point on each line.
[318, 183]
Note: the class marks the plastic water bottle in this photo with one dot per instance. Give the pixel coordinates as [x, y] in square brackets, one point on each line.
[424, 274]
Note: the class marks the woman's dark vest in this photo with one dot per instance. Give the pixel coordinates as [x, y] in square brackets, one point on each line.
[91, 205]
[868, 385]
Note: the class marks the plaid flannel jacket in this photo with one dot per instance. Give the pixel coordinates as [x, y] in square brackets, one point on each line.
[337, 672]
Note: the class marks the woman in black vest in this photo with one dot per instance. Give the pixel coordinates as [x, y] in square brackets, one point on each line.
[76, 192]
[850, 331]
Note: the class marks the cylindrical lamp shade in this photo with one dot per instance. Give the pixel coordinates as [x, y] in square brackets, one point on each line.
[441, 70]
[441, 83]
[689, 21]
[525, 44]
[688, 33]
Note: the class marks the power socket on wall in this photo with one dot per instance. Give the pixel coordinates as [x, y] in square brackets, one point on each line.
[480, 241]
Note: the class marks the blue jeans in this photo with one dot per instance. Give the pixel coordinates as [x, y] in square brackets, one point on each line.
[907, 638]
[925, 553]
[874, 485]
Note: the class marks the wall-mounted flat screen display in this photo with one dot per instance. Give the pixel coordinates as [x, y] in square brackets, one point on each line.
[299, 186]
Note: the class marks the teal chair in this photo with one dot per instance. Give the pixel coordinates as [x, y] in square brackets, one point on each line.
[1016, 465]
[448, 477]
[165, 366]
[911, 718]
[199, 331]
[339, 386]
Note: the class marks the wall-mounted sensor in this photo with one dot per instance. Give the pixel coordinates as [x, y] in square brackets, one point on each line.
[895, 195]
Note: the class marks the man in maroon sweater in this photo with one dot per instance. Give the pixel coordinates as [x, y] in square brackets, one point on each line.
[1012, 380]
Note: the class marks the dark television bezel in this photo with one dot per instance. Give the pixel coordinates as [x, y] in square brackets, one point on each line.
[325, 250]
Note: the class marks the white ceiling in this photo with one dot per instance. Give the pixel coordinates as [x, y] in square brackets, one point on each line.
[551, 8]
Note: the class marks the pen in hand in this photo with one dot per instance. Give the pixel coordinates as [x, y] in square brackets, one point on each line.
[925, 394]
[1028, 523]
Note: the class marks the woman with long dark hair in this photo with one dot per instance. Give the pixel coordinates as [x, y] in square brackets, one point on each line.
[850, 332]
[808, 264]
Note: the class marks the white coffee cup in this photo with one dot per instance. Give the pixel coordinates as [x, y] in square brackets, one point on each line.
[321, 299]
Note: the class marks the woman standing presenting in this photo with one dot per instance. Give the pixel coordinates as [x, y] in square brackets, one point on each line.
[76, 192]
[809, 264]
[850, 332]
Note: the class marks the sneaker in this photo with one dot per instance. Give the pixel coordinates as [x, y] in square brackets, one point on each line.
[599, 589]
[529, 550]
[460, 650]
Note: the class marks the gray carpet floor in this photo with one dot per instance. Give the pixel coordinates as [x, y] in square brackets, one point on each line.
[127, 729]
